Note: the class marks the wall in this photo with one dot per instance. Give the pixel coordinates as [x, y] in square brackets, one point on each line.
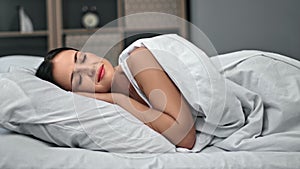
[231, 25]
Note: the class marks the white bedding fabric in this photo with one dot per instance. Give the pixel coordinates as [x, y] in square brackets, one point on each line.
[32, 106]
[19, 151]
[247, 100]
[268, 86]
[10, 62]
[29, 105]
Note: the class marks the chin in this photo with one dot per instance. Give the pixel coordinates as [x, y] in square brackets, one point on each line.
[102, 89]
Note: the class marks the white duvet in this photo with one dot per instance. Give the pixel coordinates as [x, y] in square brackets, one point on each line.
[247, 100]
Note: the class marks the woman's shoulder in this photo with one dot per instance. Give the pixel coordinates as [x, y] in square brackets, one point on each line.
[141, 59]
[138, 49]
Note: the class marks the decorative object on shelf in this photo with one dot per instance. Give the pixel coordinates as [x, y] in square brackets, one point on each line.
[90, 17]
[25, 22]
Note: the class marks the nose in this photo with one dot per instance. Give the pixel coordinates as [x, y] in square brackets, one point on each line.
[88, 69]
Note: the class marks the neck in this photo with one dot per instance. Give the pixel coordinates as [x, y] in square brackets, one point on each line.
[120, 83]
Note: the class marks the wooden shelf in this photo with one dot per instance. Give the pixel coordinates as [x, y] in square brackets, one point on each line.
[150, 29]
[82, 31]
[21, 34]
[63, 16]
[90, 31]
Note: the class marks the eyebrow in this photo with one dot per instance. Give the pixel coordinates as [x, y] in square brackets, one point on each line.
[72, 74]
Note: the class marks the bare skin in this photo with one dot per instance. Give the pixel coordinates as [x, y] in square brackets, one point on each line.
[170, 114]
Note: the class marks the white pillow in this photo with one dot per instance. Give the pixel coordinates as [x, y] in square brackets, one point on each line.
[32, 106]
[30, 63]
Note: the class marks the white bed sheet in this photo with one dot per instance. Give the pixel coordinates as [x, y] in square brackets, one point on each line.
[19, 151]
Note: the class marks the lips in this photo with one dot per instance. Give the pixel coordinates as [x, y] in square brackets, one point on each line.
[101, 73]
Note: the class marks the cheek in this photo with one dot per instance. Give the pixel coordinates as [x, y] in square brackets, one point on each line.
[104, 87]
[87, 86]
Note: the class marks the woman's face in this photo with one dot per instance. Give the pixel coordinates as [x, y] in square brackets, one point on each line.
[80, 71]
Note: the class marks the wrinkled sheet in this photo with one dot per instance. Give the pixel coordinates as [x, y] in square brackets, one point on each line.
[268, 88]
[20, 151]
[241, 101]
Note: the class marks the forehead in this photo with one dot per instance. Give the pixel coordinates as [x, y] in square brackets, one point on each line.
[63, 65]
[64, 56]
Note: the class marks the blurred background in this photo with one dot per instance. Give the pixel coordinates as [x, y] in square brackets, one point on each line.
[231, 25]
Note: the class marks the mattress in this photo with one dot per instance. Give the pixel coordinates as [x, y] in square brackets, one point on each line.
[21, 151]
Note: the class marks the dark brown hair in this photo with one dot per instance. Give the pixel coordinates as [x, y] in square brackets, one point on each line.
[44, 71]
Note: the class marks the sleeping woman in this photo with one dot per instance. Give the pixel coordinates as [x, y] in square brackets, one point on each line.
[147, 92]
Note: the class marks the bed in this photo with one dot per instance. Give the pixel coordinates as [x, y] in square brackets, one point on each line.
[19, 151]
[77, 140]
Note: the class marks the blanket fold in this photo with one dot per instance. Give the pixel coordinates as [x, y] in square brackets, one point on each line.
[247, 100]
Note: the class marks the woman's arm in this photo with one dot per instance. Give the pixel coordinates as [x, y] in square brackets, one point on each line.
[170, 114]
[180, 131]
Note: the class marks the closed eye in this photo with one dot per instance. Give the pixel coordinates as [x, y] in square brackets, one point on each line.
[75, 57]
[80, 80]
[77, 81]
